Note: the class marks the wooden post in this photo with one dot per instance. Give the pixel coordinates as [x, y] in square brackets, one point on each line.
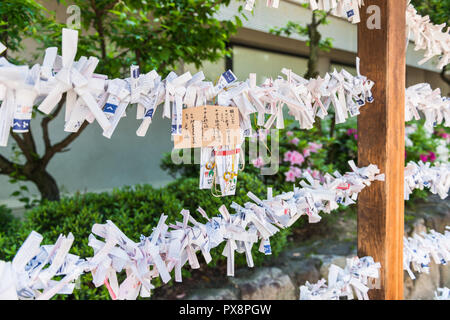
[381, 141]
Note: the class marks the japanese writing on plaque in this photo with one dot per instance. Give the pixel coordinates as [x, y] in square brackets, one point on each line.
[209, 126]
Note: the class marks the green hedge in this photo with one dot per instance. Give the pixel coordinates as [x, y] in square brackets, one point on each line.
[135, 210]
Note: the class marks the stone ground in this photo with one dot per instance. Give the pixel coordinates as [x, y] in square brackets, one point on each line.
[310, 253]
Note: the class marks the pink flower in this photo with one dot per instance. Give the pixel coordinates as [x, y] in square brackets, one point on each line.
[351, 131]
[287, 156]
[314, 147]
[424, 158]
[356, 137]
[290, 176]
[293, 174]
[297, 172]
[441, 133]
[432, 156]
[297, 158]
[258, 162]
[445, 136]
[295, 141]
[294, 157]
[289, 133]
[307, 152]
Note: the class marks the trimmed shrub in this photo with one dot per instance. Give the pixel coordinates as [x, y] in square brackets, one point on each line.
[9, 226]
[135, 210]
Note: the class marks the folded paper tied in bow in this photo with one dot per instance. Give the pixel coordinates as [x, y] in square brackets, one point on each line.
[26, 278]
[419, 250]
[422, 175]
[442, 294]
[429, 37]
[170, 247]
[348, 9]
[436, 108]
[360, 275]
[91, 96]
[357, 278]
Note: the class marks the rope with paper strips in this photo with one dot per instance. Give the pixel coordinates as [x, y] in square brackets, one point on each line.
[427, 36]
[348, 9]
[436, 108]
[422, 175]
[419, 249]
[442, 294]
[357, 277]
[360, 275]
[167, 250]
[92, 96]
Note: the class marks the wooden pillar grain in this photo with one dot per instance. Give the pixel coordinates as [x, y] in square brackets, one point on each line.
[381, 141]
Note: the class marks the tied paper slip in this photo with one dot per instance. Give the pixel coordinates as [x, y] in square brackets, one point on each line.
[209, 126]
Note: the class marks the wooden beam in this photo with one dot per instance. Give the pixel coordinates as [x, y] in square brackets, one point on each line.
[381, 141]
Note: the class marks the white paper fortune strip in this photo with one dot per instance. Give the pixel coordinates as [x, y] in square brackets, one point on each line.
[357, 278]
[348, 9]
[26, 278]
[422, 175]
[359, 274]
[442, 294]
[428, 37]
[169, 247]
[418, 251]
[92, 96]
[436, 108]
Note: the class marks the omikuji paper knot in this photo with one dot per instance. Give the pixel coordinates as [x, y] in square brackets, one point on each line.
[348, 9]
[26, 278]
[170, 247]
[436, 108]
[357, 278]
[359, 274]
[422, 175]
[428, 37]
[442, 294]
[91, 96]
[418, 251]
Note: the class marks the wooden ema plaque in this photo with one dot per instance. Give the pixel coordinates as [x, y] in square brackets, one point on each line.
[209, 126]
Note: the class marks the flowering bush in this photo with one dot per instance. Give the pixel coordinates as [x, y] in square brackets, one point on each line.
[319, 151]
[426, 146]
[300, 152]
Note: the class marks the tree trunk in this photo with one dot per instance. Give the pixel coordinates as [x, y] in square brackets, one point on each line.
[444, 77]
[313, 59]
[314, 49]
[46, 185]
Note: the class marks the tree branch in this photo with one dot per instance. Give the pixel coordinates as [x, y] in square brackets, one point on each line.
[6, 167]
[58, 147]
[110, 5]
[29, 141]
[443, 76]
[23, 146]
